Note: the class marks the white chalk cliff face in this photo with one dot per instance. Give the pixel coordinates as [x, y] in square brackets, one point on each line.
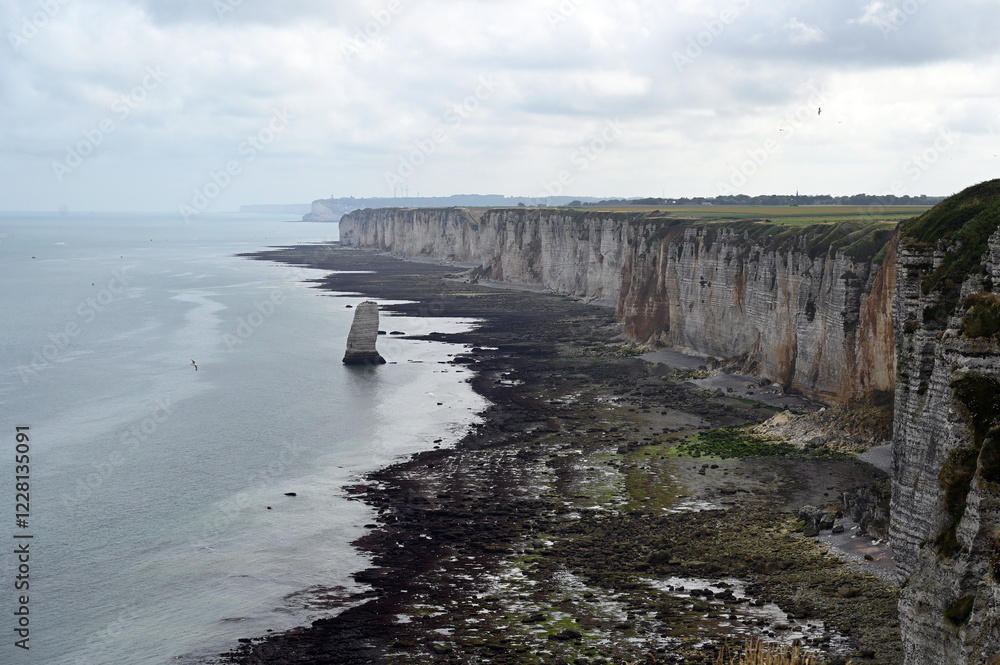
[808, 319]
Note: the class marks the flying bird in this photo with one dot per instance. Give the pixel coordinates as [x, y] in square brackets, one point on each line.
[195, 365]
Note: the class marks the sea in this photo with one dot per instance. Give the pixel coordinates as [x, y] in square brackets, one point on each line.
[159, 396]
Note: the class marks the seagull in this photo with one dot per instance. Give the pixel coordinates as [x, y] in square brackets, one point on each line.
[195, 365]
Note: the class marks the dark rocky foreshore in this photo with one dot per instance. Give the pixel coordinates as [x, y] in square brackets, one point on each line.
[562, 530]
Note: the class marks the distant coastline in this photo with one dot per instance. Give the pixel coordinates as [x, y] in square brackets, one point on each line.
[278, 208]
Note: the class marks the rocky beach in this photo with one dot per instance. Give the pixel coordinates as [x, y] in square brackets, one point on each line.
[581, 522]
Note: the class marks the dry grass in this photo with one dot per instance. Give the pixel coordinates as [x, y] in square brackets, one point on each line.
[758, 652]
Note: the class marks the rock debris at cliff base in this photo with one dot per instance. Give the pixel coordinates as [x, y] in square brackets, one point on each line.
[549, 534]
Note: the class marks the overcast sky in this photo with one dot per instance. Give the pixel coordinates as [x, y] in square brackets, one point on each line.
[158, 104]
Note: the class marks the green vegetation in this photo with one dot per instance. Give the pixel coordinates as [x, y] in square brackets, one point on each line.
[958, 612]
[955, 478]
[784, 215]
[737, 441]
[962, 223]
[982, 315]
[980, 395]
[862, 239]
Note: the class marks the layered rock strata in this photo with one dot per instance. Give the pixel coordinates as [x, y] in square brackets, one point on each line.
[945, 526]
[364, 333]
[789, 304]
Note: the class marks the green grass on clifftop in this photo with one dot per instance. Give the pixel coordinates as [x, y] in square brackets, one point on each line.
[964, 223]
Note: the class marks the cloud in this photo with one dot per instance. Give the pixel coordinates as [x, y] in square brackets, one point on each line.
[367, 80]
[803, 33]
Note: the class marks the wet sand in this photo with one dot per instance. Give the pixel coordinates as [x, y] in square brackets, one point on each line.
[563, 529]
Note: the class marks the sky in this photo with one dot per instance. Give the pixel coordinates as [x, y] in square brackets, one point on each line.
[206, 105]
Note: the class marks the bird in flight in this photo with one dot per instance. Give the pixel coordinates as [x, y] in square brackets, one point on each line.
[195, 365]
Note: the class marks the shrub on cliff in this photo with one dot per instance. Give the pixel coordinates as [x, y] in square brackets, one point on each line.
[982, 314]
[961, 225]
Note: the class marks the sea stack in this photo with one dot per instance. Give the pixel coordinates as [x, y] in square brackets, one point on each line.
[361, 341]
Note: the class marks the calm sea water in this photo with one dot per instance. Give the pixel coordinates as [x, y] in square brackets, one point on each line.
[150, 481]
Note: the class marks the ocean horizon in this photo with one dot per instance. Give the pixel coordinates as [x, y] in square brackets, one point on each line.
[160, 529]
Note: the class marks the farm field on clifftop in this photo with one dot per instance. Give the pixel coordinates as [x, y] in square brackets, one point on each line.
[790, 215]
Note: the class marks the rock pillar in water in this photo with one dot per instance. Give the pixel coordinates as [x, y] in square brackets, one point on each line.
[364, 331]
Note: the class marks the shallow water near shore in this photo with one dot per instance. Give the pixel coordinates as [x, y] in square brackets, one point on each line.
[151, 481]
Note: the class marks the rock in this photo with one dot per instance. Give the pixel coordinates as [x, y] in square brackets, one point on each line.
[847, 592]
[809, 513]
[361, 340]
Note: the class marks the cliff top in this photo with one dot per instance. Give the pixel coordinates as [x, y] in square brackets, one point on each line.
[961, 226]
[860, 232]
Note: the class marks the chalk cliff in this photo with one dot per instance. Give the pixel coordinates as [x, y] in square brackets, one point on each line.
[945, 526]
[364, 333]
[804, 307]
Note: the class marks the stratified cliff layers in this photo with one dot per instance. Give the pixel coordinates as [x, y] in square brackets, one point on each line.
[945, 526]
[834, 311]
[364, 333]
[805, 307]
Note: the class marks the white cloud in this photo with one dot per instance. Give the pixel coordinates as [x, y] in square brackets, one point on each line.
[410, 63]
[803, 33]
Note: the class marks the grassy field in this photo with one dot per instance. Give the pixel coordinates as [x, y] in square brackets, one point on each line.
[790, 215]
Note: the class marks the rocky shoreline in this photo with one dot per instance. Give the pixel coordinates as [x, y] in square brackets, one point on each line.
[566, 528]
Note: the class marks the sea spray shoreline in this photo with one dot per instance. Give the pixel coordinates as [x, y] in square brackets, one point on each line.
[532, 540]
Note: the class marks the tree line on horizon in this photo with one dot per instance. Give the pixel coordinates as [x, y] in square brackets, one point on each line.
[774, 200]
